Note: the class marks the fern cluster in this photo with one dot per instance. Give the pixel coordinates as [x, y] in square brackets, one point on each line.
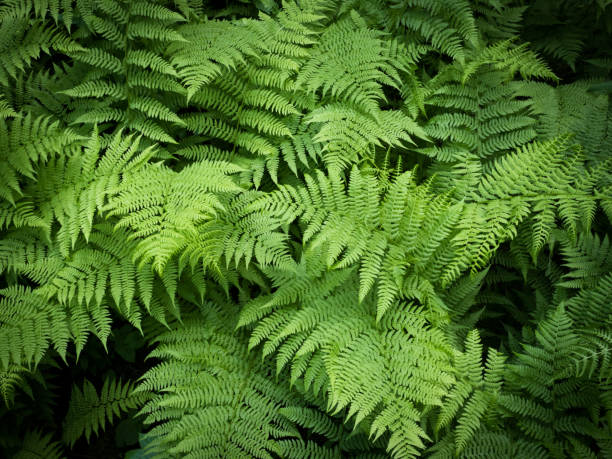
[337, 228]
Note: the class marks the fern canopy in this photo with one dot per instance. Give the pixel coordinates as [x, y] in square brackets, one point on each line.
[306, 229]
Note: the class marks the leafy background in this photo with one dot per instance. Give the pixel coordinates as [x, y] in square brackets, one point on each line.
[321, 228]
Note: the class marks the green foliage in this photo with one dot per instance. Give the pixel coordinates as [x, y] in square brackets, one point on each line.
[90, 412]
[217, 400]
[37, 445]
[337, 228]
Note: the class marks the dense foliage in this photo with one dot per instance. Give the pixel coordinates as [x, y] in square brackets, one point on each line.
[321, 228]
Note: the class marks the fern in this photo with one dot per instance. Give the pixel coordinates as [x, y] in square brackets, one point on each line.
[568, 22]
[255, 418]
[448, 26]
[338, 228]
[30, 323]
[474, 392]
[544, 412]
[77, 186]
[589, 118]
[23, 41]
[159, 223]
[327, 347]
[137, 83]
[586, 259]
[35, 444]
[89, 411]
[197, 69]
[25, 141]
[11, 378]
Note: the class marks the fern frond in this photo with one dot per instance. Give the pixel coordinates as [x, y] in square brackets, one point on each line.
[192, 409]
[507, 57]
[89, 412]
[162, 226]
[30, 324]
[344, 334]
[71, 188]
[11, 378]
[25, 141]
[474, 393]
[482, 115]
[588, 259]
[22, 42]
[448, 26]
[208, 52]
[134, 79]
[37, 444]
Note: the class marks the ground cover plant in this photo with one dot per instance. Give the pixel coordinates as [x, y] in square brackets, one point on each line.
[308, 229]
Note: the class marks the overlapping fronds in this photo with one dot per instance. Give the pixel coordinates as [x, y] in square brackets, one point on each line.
[338, 228]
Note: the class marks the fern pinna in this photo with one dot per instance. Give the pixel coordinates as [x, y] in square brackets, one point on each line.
[305, 229]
